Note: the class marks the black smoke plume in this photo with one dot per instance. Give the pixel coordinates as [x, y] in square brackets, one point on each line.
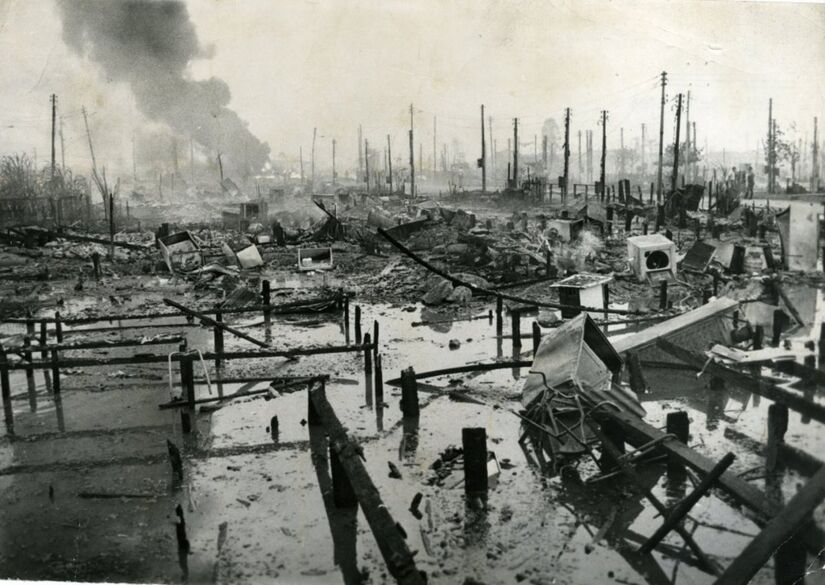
[149, 44]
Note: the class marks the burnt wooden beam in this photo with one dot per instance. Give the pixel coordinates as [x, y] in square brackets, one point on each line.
[397, 555]
[781, 528]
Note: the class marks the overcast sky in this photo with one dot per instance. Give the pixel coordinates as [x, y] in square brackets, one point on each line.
[293, 65]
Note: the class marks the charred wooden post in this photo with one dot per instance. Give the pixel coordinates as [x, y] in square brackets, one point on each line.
[357, 325]
[777, 427]
[776, 327]
[58, 327]
[218, 335]
[515, 327]
[96, 265]
[606, 300]
[536, 337]
[55, 372]
[27, 355]
[343, 493]
[697, 228]
[474, 443]
[390, 541]
[266, 295]
[781, 528]
[346, 311]
[663, 295]
[5, 386]
[409, 394]
[499, 318]
[769, 260]
[367, 355]
[660, 217]
[187, 381]
[637, 376]
[680, 510]
[175, 460]
[609, 220]
[678, 424]
[715, 283]
[274, 429]
[758, 337]
[379, 379]
[375, 329]
[628, 220]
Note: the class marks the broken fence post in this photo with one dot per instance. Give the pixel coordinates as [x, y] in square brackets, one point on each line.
[758, 336]
[27, 343]
[680, 510]
[663, 295]
[5, 386]
[218, 335]
[379, 379]
[273, 428]
[777, 426]
[474, 443]
[499, 318]
[96, 265]
[409, 394]
[678, 424]
[357, 325]
[55, 372]
[58, 327]
[367, 355]
[187, 381]
[536, 337]
[776, 326]
[375, 329]
[266, 294]
[515, 327]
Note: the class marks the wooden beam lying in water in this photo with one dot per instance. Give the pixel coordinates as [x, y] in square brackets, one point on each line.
[393, 548]
[747, 382]
[781, 528]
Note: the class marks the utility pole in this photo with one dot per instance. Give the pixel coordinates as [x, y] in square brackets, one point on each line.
[644, 166]
[815, 161]
[389, 160]
[687, 137]
[604, 151]
[535, 149]
[220, 168]
[621, 146]
[483, 159]
[54, 120]
[695, 164]
[566, 149]
[676, 146]
[62, 148]
[770, 145]
[412, 154]
[659, 185]
[580, 156]
[367, 163]
[360, 154]
[492, 147]
[589, 148]
[334, 173]
[544, 153]
[515, 153]
[312, 164]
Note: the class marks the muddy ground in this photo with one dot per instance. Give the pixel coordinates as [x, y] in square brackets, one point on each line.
[88, 493]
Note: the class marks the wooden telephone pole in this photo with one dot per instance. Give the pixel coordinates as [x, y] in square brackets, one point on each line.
[675, 176]
[659, 185]
[389, 161]
[412, 155]
[62, 148]
[367, 163]
[604, 151]
[770, 145]
[312, 163]
[644, 167]
[515, 154]
[483, 159]
[54, 120]
[566, 150]
[687, 139]
[815, 162]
